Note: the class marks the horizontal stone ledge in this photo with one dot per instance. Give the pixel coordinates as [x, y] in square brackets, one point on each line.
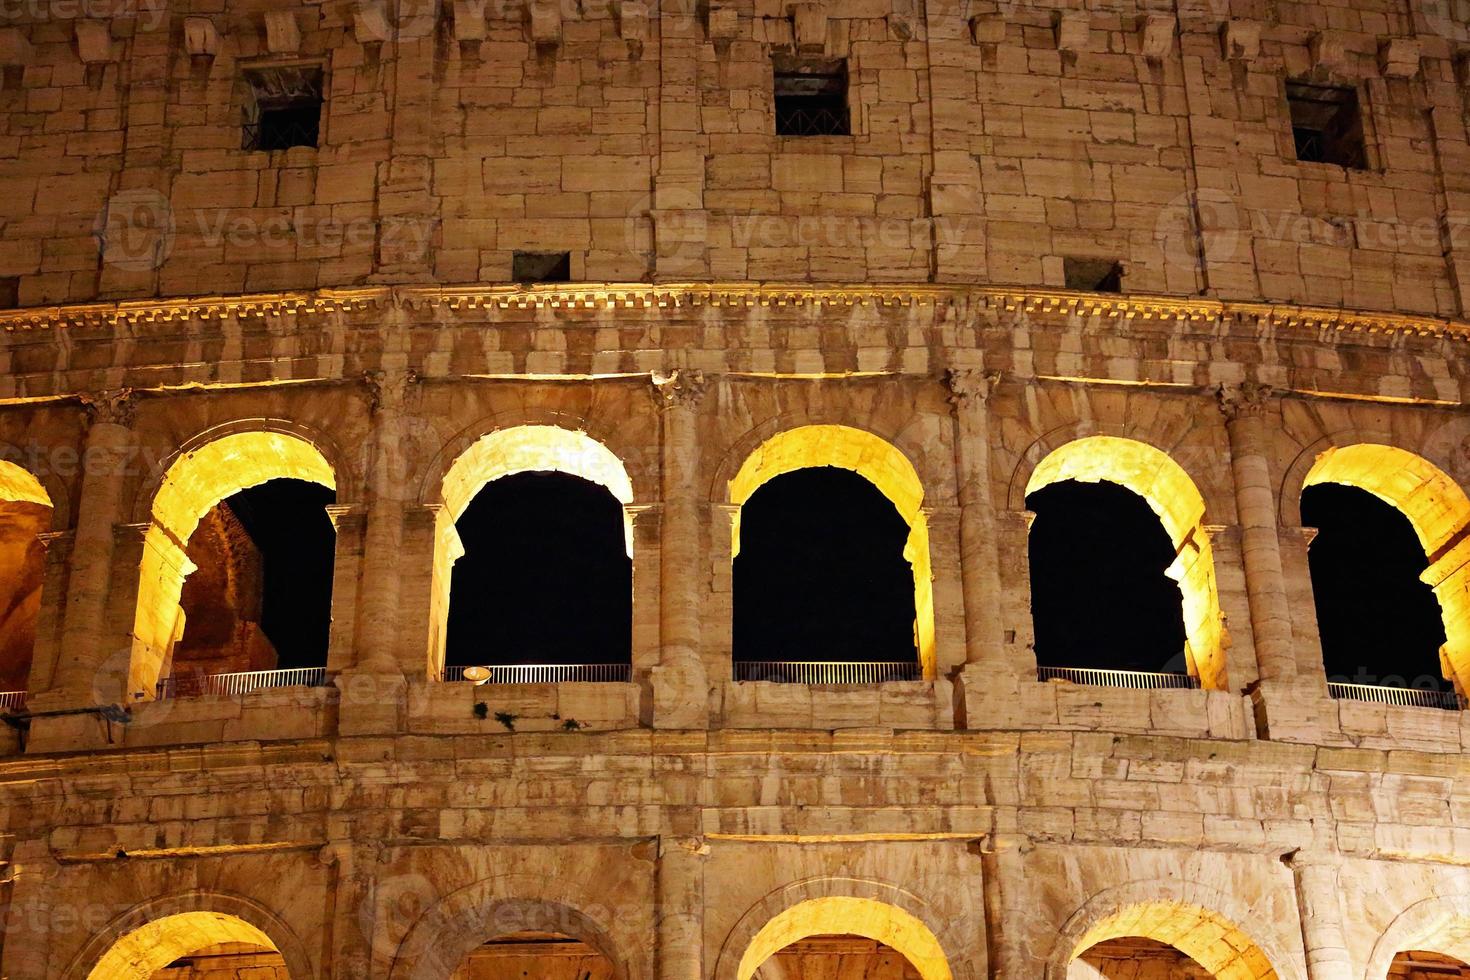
[431, 300]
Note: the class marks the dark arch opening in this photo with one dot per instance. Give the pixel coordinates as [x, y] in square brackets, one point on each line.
[1134, 958]
[1379, 624]
[535, 955]
[1417, 964]
[545, 577]
[1099, 596]
[837, 956]
[261, 597]
[821, 574]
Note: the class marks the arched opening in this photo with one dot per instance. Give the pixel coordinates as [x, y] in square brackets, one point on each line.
[532, 955]
[1132, 958]
[1101, 597]
[192, 945]
[828, 937]
[1423, 965]
[827, 536]
[240, 538]
[1379, 623]
[533, 577]
[1192, 942]
[821, 574]
[837, 956]
[545, 578]
[25, 512]
[259, 601]
[1123, 579]
[1356, 534]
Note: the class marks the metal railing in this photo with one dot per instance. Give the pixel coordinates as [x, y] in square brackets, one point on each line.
[795, 121]
[827, 672]
[1406, 697]
[1140, 680]
[12, 700]
[233, 685]
[545, 674]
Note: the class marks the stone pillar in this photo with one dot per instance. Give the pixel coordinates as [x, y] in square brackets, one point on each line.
[646, 523]
[351, 922]
[350, 523]
[985, 661]
[53, 602]
[1244, 408]
[1287, 699]
[1319, 902]
[1004, 887]
[85, 642]
[374, 689]
[681, 908]
[680, 682]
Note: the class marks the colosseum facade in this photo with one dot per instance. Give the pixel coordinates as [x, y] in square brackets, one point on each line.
[1213, 253]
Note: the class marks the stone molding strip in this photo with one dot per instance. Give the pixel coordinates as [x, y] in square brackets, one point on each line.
[645, 296]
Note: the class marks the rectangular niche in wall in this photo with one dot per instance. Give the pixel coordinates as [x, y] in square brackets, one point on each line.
[1093, 275]
[541, 267]
[1326, 124]
[283, 107]
[811, 96]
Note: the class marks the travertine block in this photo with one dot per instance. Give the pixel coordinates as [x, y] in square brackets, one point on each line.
[1073, 29]
[201, 37]
[1156, 35]
[809, 27]
[1398, 57]
[1329, 50]
[1240, 40]
[282, 32]
[370, 22]
[545, 18]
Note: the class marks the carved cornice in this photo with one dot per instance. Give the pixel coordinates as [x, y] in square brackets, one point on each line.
[458, 300]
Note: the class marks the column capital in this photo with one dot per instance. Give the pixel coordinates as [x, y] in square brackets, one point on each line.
[114, 406]
[970, 386]
[683, 387]
[345, 516]
[57, 543]
[1248, 399]
[389, 388]
[691, 846]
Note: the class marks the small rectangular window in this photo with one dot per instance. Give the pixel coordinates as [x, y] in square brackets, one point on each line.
[811, 97]
[541, 267]
[283, 107]
[9, 292]
[1093, 275]
[1326, 124]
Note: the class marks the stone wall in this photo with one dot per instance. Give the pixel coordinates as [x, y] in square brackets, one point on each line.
[989, 142]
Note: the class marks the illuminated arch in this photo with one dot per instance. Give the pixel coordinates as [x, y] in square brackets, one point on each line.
[845, 915]
[150, 936]
[19, 485]
[195, 482]
[1440, 924]
[1439, 511]
[525, 448]
[1173, 496]
[1180, 914]
[502, 453]
[872, 458]
[449, 931]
